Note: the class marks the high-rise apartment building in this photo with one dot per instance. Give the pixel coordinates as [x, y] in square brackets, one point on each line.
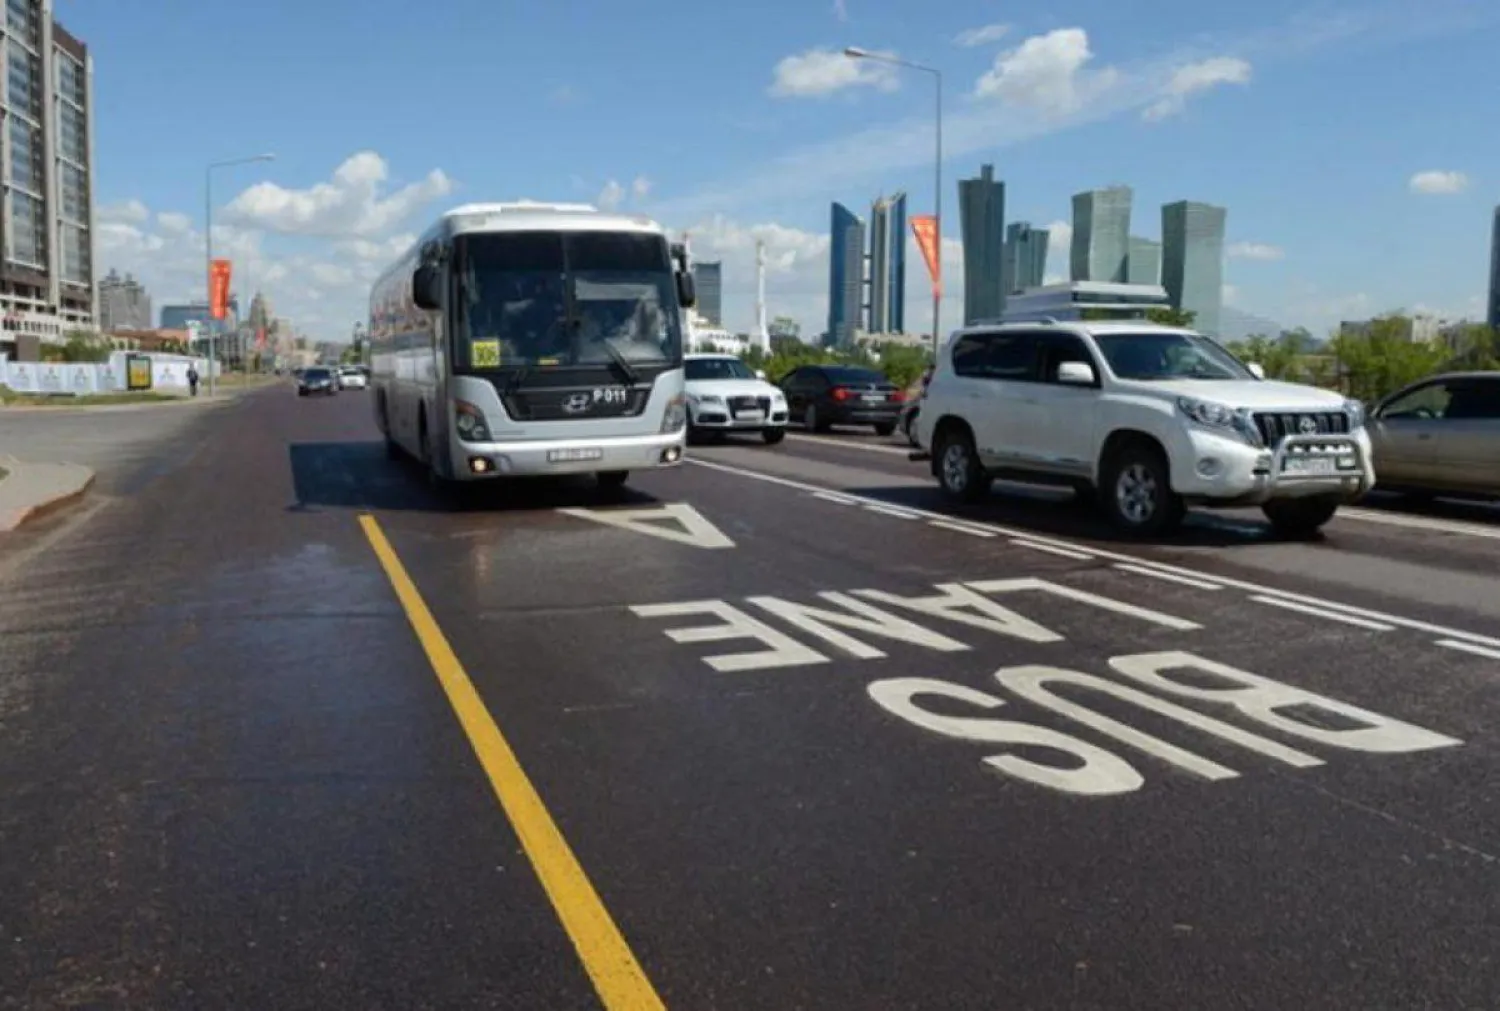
[1025, 263]
[1192, 268]
[846, 260]
[708, 280]
[1144, 266]
[1101, 235]
[1492, 317]
[981, 206]
[123, 304]
[888, 264]
[47, 264]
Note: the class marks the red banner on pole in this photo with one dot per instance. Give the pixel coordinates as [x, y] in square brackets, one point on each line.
[925, 228]
[260, 337]
[218, 293]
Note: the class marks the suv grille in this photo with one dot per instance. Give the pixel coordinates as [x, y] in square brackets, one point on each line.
[739, 405]
[1275, 427]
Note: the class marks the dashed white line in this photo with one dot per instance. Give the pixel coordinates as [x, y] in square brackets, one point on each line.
[1170, 577]
[850, 444]
[885, 510]
[1469, 647]
[1322, 612]
[960, 528]
[1052, 549]
[828, 496]
[1378, 617]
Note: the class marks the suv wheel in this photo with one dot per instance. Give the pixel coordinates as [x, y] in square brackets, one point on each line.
[1137, 492]
[1300, 517]
[959, 471]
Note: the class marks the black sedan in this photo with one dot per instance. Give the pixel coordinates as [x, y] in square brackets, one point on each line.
[821, 396]
[317, 380]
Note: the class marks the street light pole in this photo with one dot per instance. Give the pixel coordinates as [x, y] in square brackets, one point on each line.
[208, 259]
[856, 53]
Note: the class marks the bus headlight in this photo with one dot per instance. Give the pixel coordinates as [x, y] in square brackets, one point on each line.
[675, 418]
[469, 421]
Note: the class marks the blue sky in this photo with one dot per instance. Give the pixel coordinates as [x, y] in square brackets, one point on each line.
[1312, 122]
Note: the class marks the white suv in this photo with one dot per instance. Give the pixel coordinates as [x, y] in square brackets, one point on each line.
[1151, 418]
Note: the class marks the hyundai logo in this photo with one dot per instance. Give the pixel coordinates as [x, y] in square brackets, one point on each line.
[576, 403]
[1308, 425]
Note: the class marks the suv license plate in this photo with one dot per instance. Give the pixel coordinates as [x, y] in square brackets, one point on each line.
[1309, 465]
[574, 455]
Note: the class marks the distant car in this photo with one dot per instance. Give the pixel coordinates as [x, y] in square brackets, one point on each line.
[317, 380]
[821, 396]
[352, 378]
[1440, 437]
[724, 395]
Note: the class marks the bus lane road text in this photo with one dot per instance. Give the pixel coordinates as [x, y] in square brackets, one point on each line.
[1167, 683]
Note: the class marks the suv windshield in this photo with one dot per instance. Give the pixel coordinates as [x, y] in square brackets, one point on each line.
[1147, 355]
[700, 369]
[316, 374]
[529, 299]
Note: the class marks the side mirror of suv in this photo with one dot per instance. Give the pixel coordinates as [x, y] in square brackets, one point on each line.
[1076, 374]
[1257, 370]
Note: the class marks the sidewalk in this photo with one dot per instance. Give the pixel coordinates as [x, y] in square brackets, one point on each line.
[32, 490]
[227, 393]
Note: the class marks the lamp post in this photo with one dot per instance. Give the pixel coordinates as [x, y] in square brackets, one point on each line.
[856, 53]
[208, 259]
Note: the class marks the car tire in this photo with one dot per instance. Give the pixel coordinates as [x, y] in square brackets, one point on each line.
[612, 480]
[1136, 491]
[773, 435]
[1300, 517]
[885, 429]
[812, 422]
[956, 463]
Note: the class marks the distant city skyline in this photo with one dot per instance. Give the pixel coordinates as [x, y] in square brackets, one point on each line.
[1192, 263]
[1101, 234]
[846, 260]
[981, 205]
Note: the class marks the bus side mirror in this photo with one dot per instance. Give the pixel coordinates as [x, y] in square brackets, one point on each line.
[424, 287]
[687, 292]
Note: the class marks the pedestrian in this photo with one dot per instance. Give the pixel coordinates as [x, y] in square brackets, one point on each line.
[193, 379]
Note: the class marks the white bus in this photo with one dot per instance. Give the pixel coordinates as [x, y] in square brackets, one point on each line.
[533, 339]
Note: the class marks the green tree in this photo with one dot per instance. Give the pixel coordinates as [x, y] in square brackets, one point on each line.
[1168, 316]
[83, 346]
[903, 364]
[1382, 357]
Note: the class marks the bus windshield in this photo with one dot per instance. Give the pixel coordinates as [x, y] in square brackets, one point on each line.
[543, 299]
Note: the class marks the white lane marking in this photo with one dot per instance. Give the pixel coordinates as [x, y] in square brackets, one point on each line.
[733, 624]
[675, 521]
[959, 528]
[1347, 512]
[1143, 570]
[1052, 549]
[1319, 612]
[1469, 647]
[1420, 522]
[828, 496]
[885, 510]
[1414, 624]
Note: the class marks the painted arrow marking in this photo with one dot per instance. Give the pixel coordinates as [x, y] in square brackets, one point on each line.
[675, 521]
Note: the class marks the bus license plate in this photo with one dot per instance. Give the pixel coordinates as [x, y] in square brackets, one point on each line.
[574, 455]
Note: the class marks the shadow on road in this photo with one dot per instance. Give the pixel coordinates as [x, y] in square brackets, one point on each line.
[1462, 510]
[359, 475]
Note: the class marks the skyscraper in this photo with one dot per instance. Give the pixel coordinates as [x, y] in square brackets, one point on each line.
[981, 204]
[123, 304]
[1101, 234]
[1025, 263]
[898, 263]
[1493, 316]
[708, 280]
[47, 270]
[880, 267]
[846, 258]
[1145, 261]
[1192, 267]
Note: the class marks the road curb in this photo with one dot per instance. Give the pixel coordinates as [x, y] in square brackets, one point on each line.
[71, 483]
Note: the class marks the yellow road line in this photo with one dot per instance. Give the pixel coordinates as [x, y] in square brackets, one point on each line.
[617, 976]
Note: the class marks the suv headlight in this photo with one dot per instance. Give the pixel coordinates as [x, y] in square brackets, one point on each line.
[705, 398]
[1356, 412]
[674, 419]
[469, 421]
[1206, 412]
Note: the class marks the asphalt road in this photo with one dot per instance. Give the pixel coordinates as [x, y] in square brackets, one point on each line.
[281, 728]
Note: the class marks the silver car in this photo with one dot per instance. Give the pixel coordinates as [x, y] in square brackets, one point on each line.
[1440, 435]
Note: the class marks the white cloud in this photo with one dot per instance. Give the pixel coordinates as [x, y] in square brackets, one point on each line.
[981, 36]
[129, 212]
[1438, 182]
[1231, 294]
[611, 196]
[824, 71]
[1047, 74]
[378, 251]
[640, 188]
[1193, 78]
[1060, 235]
[1255, 251]
[352, 203]
[174, 222]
